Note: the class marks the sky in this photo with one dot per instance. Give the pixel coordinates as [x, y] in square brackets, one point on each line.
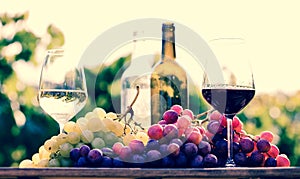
[271, 28]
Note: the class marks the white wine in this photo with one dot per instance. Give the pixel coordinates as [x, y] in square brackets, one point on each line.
[169, 84]
[62, 104]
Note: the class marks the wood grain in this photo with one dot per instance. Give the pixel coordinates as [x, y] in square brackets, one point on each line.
[279, 172]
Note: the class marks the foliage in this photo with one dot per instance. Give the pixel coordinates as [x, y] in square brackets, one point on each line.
[24, 126]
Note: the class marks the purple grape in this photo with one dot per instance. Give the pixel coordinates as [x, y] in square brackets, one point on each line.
[168, 162]
[84, 150]
[221, 161]
[137, 146]
[213, 126]
[163, 149]
[270, 162]
[221, 148]
[197, 162]
[95, 156]
[224, 133]
[263, 145]
[125, 153]
[118, 163]
[82, 162]
[108, 152]
[153, 158]
[170, 132]
[152, 144]
[170, 116]
[210, 160]
[236, 147]
[217, 137]
[247, 145]
[106, 162]
[181, 160]
[173, 149]
[256, 159]
[240, 159]
[190, 150]
[74, 154]
[153, 155]
[138, 160]
[204, 148]
[177, 141]
[205, 138]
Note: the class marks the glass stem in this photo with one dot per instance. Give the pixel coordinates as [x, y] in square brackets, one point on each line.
[61, 127]
[230, 161]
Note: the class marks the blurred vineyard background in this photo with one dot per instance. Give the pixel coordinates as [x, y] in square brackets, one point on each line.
[25, 127]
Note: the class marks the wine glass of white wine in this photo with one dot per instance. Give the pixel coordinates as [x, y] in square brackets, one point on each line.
[62, 87]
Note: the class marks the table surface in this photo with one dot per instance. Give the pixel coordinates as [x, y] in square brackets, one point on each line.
[278, 172]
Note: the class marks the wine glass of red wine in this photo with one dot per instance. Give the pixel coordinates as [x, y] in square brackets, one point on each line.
[228, 87]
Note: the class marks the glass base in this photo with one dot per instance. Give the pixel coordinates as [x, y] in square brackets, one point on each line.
[230, 163]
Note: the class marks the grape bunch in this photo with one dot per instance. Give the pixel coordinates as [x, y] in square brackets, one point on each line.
[179, 139]
[97, 129]
[248, 150]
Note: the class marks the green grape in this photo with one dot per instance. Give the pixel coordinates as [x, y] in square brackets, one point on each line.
[69, 126]
[73, 138]
[65, 162]
[118, 129]
[100, 112]
[127, 138]
[43, 153]
[108, 123]
[82, 120]
[51, 145]
[90, 115]
[87, 136]
[43, 163]
[54, 162]
[111, 115]
[110, 138]
[95, 124]
[62, 138]
[35, 158]
[98, 143]
[65, 149]
[79, 127]
[54, 137]
[99, 134]
[26, 164]
[142, 136]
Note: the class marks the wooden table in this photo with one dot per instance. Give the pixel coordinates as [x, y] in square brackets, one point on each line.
[85, 173]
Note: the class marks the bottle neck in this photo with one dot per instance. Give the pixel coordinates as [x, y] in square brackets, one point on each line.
[138, 51]
[168, 43]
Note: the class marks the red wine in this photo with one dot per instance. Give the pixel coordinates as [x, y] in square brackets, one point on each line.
[228, 101]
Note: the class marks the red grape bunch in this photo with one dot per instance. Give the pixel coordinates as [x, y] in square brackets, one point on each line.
[249, 150]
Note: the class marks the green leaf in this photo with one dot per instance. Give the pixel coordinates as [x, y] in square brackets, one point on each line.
[57, 36]
[28, 41]
[6, 70]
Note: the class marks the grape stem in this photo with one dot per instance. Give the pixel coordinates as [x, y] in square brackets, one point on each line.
[198, 116]
[204, 113]
[129, 110]
[132, 103]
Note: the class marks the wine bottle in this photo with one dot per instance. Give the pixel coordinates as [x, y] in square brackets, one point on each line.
[138, 75]
[169, 84]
